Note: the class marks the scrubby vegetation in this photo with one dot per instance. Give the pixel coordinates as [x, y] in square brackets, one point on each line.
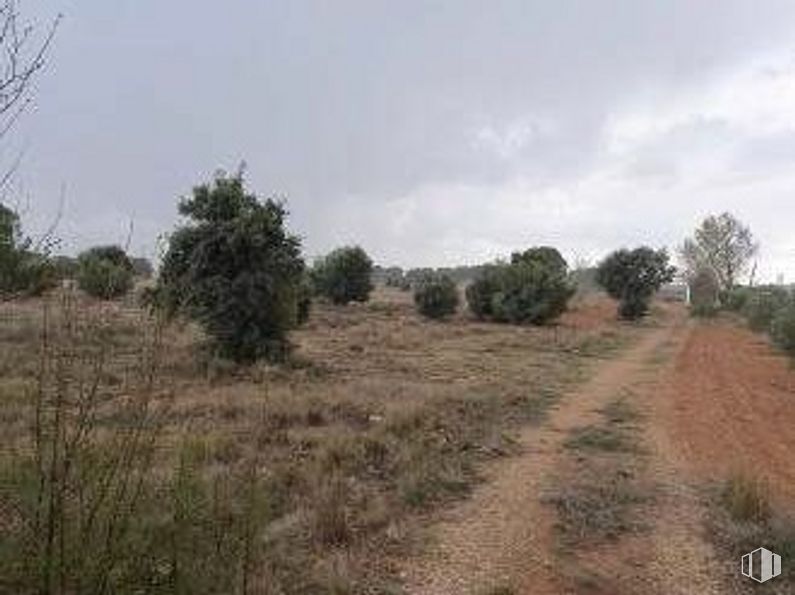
[24, 270]
[533, 288]
[105, 272]
[741, 520]
[436, 296]
[632, 277]
[782, 327]
[174, 478]
[344, 275]
[704, 291]
[235, 269]
[762, 305]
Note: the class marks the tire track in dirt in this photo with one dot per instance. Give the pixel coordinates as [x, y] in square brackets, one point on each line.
[730, 407]
[681, 561]
[671, 555]
[726, 407]
[504, 535]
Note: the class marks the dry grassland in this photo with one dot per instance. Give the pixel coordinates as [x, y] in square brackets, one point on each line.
[379, 418]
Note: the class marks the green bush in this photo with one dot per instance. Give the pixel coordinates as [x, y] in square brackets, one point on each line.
[480, 292]
[532, 289]
[23, 269]
[782, 328]
[545, 256]
[436, 296]
[36, 274]
[704, 288]
[236, 270]
[632, 277]
[735, 299]
[763, 305]
[344, 275]
[104, 272]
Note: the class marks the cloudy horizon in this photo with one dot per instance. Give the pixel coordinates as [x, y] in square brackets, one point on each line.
[431, 133]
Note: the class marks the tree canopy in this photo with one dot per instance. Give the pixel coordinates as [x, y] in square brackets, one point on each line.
[633, 276]
[722, 244]
[235, 268]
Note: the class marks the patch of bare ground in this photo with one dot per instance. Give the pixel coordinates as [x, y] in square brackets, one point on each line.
[725, 421]
[730, 408]
[504, 537]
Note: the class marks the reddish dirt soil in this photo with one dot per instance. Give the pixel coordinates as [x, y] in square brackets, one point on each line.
[715, 398]
[503, 536]
[730, 407]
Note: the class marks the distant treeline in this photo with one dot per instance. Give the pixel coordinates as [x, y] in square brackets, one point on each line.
[583, 278]
[406, 278]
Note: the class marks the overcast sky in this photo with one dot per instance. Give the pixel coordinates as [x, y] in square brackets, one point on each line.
[431, 133]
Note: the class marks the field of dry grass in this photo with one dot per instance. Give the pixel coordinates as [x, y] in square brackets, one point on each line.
[378, 419]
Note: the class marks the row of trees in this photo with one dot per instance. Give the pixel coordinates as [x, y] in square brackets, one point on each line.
[28, 269]
[233, 267]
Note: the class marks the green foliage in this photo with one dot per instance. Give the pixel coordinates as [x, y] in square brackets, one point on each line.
[23, 269]
[545, 256]
[82, 510]
[722, 244]
[763, 305]
[235, 269]
[104, 272]
[344, 275]
[632, 277]
[782, 328]
[436, 296]
[532, 289]
[704, 291]
[736, 299]
[480, 292]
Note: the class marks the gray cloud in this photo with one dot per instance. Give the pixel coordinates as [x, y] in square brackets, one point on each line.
[431, 132]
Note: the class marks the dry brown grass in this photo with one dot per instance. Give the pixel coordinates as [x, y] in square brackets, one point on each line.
[378, 414]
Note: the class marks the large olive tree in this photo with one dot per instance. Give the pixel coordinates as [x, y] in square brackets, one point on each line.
[235, 268]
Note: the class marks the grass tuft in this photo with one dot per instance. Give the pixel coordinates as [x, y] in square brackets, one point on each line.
[600, 438]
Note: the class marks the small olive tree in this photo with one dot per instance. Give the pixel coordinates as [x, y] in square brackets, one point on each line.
[633, 277]
[436, 296]
[533, 288]
[25, 269]
[235, 269]
[344, 275]
[104, 272]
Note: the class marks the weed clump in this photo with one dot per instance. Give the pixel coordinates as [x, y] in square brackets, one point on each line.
[746, 499]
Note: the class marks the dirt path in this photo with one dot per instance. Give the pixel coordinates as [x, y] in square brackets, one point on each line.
[503, 536]
[730, 408]
[714, 399]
